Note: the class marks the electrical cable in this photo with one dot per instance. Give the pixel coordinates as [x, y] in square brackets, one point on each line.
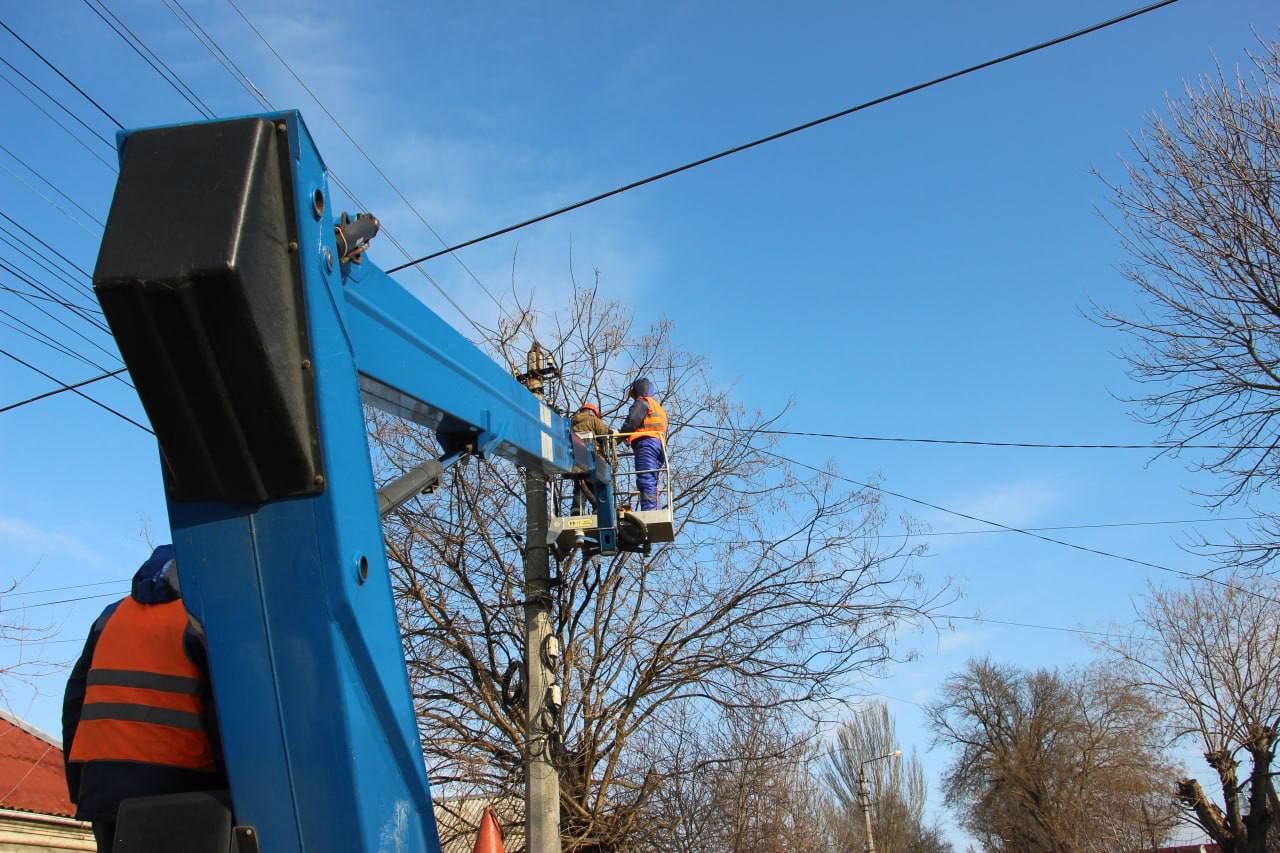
[68, 131]
[43, 261]
[70, 262]
[79, 313]
[64, 386]
[1012, 529]
[58, 103]
[957, 616]
[71, 329]
[178, 84]
[243, 79]
[67, 79]
[49, 589]
[44, 338]
[1060, 628]
[60, 601]
[210, 43]
[70, 387]
[883, 99]
[9, 289]
[52, 186]
[1168, 445]
[85, 228]
[363, 153]
[933, 534]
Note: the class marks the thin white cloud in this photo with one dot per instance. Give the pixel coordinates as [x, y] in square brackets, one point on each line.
[952, 640]
[1014, 504]
[27, 537]
[1017, 504]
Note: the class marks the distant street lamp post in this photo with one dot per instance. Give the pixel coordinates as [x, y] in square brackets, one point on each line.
[864, 796]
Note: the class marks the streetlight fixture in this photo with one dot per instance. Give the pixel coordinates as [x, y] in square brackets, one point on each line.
[864, 796]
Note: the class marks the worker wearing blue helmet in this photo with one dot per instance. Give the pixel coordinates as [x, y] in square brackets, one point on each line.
[646, 429]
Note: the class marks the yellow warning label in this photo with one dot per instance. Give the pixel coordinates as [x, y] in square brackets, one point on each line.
[580, 522]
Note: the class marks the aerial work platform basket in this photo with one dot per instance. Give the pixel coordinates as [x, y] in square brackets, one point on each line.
[638, 529]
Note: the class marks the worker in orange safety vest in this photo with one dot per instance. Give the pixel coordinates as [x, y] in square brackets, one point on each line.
[138, 717]
[587, 421]
[646, 426]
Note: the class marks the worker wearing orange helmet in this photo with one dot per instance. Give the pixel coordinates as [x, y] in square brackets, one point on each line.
[586, 421]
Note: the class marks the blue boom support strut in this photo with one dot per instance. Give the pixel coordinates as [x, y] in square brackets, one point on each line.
[253, 345]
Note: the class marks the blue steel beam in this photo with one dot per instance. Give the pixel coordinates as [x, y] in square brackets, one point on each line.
[294, 592]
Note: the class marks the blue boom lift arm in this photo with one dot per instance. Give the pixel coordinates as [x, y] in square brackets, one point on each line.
[253, 334]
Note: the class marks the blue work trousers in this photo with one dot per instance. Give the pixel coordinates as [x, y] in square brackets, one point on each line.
[649, 461]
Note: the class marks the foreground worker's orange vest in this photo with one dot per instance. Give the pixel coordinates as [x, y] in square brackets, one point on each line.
[142, 699]
[655, 422]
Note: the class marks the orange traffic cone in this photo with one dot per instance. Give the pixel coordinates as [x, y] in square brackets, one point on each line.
[490, 838]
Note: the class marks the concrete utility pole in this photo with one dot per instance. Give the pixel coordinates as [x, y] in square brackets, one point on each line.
[542, 784]
[864, 797]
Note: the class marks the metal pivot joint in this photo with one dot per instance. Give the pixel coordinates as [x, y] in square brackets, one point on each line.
[353, 235]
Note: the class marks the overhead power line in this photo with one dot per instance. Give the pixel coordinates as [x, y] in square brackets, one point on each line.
[60, 601]
[1059, 628]
[79, 313]
[8, 263]
[967, 617]
[85, 228]
[149, 56]
[68, 261]
[71, 387]
[68, 131]
[369, 159]
[1166, 445]
[1011, 528]
[56, 101]
[45, 339]
[64, 386]
[47, 265]
[243, 79]
[65, 78]
[737, 149]
[202, 35]
[52, 186]
[934, 534]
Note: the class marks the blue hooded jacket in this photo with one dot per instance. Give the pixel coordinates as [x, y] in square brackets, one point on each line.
[155, 582]
[635, 416]
[97, 787]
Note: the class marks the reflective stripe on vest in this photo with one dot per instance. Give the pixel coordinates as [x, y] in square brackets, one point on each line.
[655, 421]
[142, 698]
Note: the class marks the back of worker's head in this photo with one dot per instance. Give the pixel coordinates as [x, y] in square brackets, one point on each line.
[642, 388]
[590, 407]
[156, 581]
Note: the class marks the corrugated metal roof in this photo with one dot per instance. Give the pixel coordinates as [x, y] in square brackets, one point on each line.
[31, 774]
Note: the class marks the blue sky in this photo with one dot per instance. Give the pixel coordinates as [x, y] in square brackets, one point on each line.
[920, 269]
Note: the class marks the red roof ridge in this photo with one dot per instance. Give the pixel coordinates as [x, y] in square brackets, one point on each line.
[29, 729]
[31, 770]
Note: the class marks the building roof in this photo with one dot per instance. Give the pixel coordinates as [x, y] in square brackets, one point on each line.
[32, 778]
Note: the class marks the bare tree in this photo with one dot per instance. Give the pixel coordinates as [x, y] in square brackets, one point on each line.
[1200, 221]
[774, 593]
[739, 781]
[1210, 656]
[1050, 761]
[27, 662]
[897, 788]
